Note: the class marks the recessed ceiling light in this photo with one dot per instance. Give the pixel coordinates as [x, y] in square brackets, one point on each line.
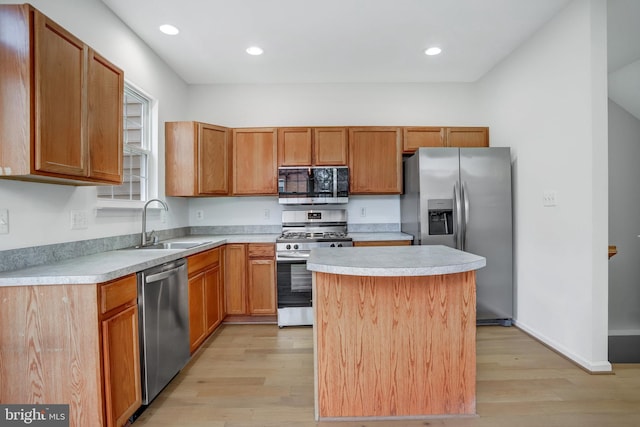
[432, 51]
[169, 29]
[254, 50]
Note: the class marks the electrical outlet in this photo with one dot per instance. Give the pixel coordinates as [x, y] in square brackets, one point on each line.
[549, 198]
[4, 221]
[266, 214]
[199, 214]
[79, 220]
[363, 212]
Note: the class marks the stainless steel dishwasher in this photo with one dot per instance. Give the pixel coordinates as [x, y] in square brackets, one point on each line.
[163, 305]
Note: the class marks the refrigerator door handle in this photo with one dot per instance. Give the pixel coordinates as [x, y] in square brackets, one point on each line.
[465, 200]
[457, 215]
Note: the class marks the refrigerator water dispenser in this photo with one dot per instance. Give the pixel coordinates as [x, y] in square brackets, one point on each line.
[440, 216]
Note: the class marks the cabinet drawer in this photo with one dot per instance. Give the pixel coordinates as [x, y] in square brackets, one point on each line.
[117, 293]
[202, 260]
[259, 250]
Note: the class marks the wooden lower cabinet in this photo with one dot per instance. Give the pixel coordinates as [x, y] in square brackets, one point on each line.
[235, 277]
[120, 349]
[262, 286]
[206, 306]
[75, 344]
[197, 315]
[214, 306]
[121, 366]
[250, 279]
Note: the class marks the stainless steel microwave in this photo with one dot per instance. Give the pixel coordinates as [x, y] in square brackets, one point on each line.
[313, 185]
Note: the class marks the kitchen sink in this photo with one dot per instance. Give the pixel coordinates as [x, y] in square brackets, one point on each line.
[172, 245]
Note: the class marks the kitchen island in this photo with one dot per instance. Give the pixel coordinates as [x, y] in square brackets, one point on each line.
[394, 332]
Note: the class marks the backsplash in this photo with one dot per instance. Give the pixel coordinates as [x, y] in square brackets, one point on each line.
[16, 259]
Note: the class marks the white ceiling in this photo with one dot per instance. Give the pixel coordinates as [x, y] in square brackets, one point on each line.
[345, 41]
[337, 41]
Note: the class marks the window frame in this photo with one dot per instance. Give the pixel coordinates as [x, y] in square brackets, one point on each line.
[151, 152]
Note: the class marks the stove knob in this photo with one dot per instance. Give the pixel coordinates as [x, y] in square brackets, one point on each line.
[295, 246]
[339, 245]
[288, 246]
[332, 245]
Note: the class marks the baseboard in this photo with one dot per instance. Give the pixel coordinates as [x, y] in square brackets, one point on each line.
[247, 319]
[598, 367]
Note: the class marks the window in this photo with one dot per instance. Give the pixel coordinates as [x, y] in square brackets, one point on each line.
[137, 150]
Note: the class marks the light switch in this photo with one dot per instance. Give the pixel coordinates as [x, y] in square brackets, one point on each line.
[549, 198]
[4, 221]
[79, 220]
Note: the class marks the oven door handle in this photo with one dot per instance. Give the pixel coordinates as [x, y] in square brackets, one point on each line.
[293, 256]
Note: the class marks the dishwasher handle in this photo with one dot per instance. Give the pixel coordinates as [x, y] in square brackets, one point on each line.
[173, 268]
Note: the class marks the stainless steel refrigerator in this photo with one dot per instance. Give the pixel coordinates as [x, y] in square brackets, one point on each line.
[461, 197]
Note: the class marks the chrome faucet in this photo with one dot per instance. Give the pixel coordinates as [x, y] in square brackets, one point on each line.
[144, 219]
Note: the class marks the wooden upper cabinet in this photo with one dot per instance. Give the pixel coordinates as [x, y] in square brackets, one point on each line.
[196, 159]
[312, 147]
[375, 160]
[60, 76]
[330, 146]
[467, 137]
[255, 170]
[294, 147]
[416, 137]
[105, 93]
[65, 120]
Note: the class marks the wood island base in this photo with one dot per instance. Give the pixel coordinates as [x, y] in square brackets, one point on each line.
[394, 347]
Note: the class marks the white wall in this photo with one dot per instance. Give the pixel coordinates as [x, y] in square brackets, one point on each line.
[548, 102]
[325, 105]
[40, 213]
[624, 221]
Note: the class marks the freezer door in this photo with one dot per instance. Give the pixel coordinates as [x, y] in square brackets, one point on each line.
[439, 204]
[485, 175]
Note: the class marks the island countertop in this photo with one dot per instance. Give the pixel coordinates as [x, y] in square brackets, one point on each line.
[420, 260]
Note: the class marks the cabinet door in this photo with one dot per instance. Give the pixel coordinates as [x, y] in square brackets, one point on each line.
[60, 76]
[468, 137]
[254, 162]
[197, 326]
[262, 286]
[235, 278]
[330, 146]
[416, 137]
[213, 159]
[212, 296]
[375, 160]
[123, 395]
[294, 147]
[104, 97]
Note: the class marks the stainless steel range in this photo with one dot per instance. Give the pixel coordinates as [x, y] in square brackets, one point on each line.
[301, 232]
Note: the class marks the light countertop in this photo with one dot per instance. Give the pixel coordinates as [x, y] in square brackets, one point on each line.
[106, 266]
[422, 260]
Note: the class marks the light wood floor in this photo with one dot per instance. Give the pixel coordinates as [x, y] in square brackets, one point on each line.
[259, 375]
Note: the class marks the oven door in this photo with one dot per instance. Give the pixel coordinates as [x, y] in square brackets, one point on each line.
[294, 292]
[294, 283]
